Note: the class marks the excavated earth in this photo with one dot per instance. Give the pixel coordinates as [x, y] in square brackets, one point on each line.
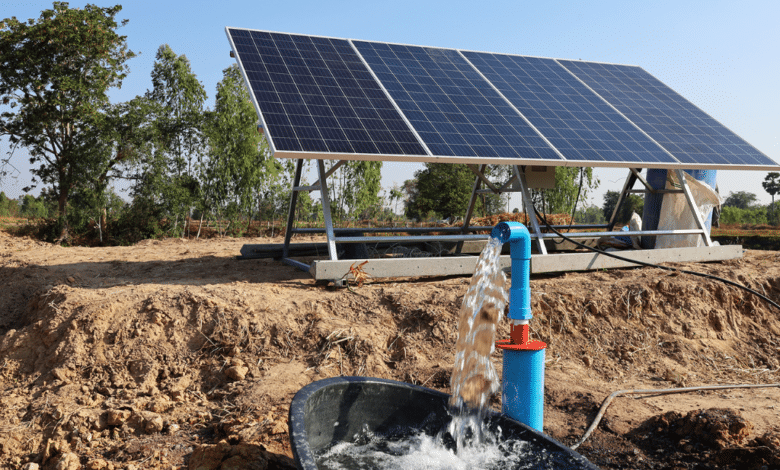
[172, 354]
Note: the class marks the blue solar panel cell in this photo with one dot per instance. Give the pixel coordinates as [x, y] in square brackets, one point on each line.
[316, 95]
[455, 111]
[575, 120]
[336, 96]
[687, 132]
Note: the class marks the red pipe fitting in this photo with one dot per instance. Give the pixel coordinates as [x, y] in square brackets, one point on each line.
[520, 340]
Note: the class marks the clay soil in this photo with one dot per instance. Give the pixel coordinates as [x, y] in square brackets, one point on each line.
[172, 354]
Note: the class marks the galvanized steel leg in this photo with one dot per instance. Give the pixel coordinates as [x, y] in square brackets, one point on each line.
[325, 198]
[293, 205]
[629, 184]
[470, 209]
[692, 205]
[529, 207]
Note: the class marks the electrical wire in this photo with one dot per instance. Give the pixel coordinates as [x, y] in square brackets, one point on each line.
[576, 199]
[573, 209]
[651, 265]
[660, 391]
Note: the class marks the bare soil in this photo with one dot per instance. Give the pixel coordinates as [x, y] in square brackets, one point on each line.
[172, 354]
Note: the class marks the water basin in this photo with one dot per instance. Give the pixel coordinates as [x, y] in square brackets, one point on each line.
[342, 410]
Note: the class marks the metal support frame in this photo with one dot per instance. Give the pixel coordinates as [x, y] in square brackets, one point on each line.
[322, 186]
[464, 233]
[695, 210]
[629, 184]
[632, 178]
[293, 204]
[529, 209]
[472, 200]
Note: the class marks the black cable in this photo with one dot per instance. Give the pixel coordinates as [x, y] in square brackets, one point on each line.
[573, 210]
[651, 265]
[576, 199]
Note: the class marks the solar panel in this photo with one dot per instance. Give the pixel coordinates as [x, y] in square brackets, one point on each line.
[687, 132]
[454, 110]
[347, 99]
[316, 95]
[573, 118]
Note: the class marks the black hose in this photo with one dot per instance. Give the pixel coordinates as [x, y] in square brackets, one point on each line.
[651, 265]
[576, 199]
[658, 391]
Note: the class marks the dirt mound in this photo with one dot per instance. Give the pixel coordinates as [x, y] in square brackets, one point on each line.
[172, 354]
[713, 438]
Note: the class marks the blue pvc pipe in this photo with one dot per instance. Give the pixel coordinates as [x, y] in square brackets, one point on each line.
[519, 239]
[522, 387]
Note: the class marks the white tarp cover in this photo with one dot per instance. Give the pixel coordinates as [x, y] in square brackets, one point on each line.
[676, 215]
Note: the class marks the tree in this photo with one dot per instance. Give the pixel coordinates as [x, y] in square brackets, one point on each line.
[771, 185]
[631, 204]
[8, 207]
[167, 177]
[441, 188]
[590, 215]
[444, 189]
[354, 189]
[740, 200]
[570, 182]
[240, 172]
[33, 207]
[56, 73]
[120, 137]
[395, 195]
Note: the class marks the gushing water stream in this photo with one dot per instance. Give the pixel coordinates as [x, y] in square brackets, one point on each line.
[465, 442]
[469, 437]
[474, 378]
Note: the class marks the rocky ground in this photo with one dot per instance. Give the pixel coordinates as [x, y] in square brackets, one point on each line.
[172, 354]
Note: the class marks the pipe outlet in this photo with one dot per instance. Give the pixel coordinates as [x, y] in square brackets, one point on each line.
[519, 239]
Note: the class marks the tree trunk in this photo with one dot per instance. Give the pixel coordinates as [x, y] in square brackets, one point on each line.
[103, 218]
[62, 210]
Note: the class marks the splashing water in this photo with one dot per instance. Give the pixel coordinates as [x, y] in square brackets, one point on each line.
[420, 451]
[466, 441]
[474, 378]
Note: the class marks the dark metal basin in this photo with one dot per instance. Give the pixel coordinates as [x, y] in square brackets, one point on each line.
[335, 410]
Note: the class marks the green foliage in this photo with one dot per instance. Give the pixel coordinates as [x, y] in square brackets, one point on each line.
[569, 182]
[354, 190]
[8, 207]
[140, 220]
[771, 185]
[55, 73]
[773, 213]
[633, 203]
[740, 200]
[33, 207]
[443, 190]
[440, 189]
[166, 173]
[240, 173]
[590, 215]
[737, 215]
[394, 196]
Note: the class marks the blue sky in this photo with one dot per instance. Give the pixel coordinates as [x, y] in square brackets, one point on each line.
[724, 56]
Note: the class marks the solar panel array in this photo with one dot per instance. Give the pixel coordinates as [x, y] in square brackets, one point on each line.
[347, 99]
[576, 121]
[455, 111]
[316, 95]
[676, 124]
